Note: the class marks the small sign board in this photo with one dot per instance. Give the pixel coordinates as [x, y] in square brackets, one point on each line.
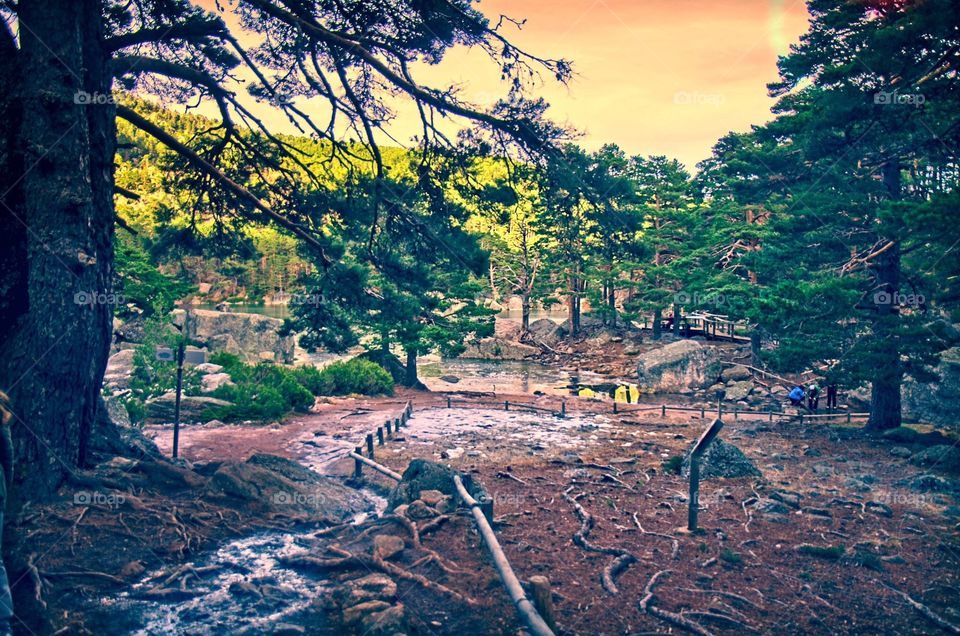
[194, 356]
[190, 356]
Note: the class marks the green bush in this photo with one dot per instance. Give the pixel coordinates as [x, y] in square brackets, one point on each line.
[268, 391]
[352, 376]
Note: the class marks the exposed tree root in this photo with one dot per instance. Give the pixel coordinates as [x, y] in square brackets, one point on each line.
[676, 542]
[932, 616]
[623, 557]
[647, 606]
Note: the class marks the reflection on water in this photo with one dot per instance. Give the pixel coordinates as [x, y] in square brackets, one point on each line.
[508, 376]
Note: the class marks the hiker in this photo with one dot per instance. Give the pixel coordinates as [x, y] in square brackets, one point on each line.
[813, 396]
[832, 395]
[6, 480]
[796, 396]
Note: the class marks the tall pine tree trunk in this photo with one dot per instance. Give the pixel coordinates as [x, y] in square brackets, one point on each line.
[411, 379]
[885, 407]
[55, 336]
[525, 312]
[657, 323]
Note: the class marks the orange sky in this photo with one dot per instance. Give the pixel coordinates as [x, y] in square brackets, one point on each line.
[654, 76]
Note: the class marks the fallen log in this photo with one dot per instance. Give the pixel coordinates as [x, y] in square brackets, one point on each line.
[525, 608]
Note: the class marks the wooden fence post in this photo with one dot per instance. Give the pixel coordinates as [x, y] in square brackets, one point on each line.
[370, 445]
[663, 410]
[389, 426]
[379, 436]
[543, 599]
[506, 406]
[357, 464]
[448, 401]
[396, 424]
[563, 408]
[698, 449]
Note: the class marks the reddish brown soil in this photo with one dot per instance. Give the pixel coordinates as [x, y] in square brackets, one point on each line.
[754, 558]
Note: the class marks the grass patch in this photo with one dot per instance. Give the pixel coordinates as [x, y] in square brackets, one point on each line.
[830, 553]
[673, 465]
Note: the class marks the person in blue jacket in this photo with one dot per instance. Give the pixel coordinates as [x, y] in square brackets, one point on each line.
[796, 396]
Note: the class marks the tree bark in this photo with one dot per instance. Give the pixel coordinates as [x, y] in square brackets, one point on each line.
[525, 311]
[676, 319]
[657, 323]
[885, 406]
[55, 346]
[573, 305]
[411, 379]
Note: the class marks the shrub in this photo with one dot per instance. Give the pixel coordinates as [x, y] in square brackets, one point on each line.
[673, 465]
[353, 376]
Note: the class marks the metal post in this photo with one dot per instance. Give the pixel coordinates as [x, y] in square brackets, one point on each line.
[694, 505]
[176, 406]
[370, 445]
[663, 410]
[736, 412]
[563, 408]
[379, 436]
[448, 401]
[698, 449]
[357, 464]
[506, 406]
[614, 407]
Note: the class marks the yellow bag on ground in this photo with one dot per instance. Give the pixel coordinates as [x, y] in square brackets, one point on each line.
[634, 394]
[586, 392]
[621, 394]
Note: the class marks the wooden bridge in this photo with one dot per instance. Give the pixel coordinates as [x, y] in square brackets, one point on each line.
[713, 326]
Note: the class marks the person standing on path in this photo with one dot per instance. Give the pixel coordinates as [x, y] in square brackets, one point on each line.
[832, 395]
[813, 396]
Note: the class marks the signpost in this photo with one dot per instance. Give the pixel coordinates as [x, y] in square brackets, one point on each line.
[698, 449]
[181, 355]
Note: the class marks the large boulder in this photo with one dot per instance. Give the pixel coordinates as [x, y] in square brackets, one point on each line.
[213, 381]
[193, 408]
[245, 334]
[721, 459]
[499, 349]
[547, 331]
[936, 402]
[738, 390]
[423, 475]
[684, 364]
[737, 372]
[279, 485]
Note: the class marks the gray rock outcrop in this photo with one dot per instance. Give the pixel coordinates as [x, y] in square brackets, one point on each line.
[276, 484]
[722, 459]
[247, 335]
[936, 402]
[499, 349]
[684, 364]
